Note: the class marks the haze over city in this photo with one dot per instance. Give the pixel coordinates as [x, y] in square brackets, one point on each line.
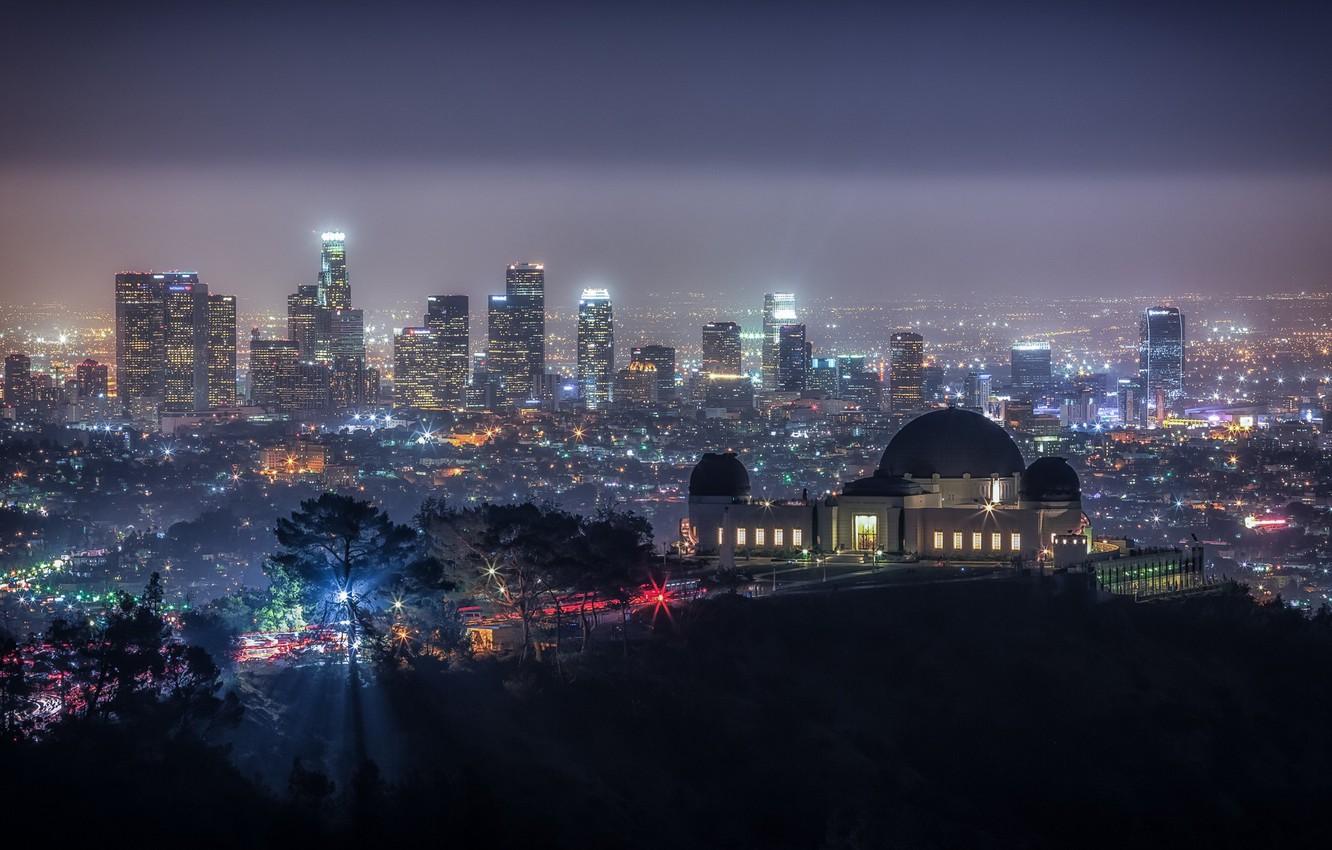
[1046, 149]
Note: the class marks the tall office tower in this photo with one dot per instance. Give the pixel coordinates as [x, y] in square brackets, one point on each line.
[636, 386]
[596, 347]
[823, 376]
[448, 318]
[141, 337]
[334, 288]
[416, 370]
[186, 347]
[1030, 363]
[306, 321]
[273, 372]
[313, 387]
[1161, 353]
[221, 378]
[792, 359]
[91, 379]
[779, 308]
[906, 371]
[506, 353]
[346, 333]
[18, 381]
[721, 349]
[977, 391]
[1132, 411]
[350, 382]
[525, 286]
[662, 358]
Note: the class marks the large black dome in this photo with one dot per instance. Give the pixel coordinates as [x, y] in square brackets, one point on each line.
[951, 443]
[719, 475]
[1051, 479]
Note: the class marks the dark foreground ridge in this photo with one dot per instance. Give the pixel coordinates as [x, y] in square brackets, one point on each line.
[993, 714]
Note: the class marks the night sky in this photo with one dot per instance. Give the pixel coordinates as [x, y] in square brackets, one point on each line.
[857, 151]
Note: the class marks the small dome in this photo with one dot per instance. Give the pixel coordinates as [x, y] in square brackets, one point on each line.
[1051, 479]
[719, 475]
[882, 485]
[951, 443]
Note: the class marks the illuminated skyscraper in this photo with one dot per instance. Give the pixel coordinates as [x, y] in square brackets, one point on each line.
[792, 359]
[307, 323]
[525, 286]
[506, 354]
[221, 377]
[721, 349]
[1030, 364]
[334, 288]
[273, 372]
[448, 319]
[906, 375]
[1161, 354]
[596, 347]
[779, 308]
[416, 370]
[186, 348]
[662, 358]
[141, 338]
[636, 386]
[18, 381]
[978, 388]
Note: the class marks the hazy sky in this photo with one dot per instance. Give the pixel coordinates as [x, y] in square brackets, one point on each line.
[861, 151]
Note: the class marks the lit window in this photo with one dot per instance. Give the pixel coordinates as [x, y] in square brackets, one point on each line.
[797, 537]
[778, 537]
[957, 540]
[938, 540]
[996, 540]
[977, 541]
[720, 532]
[760, 537]
[865, 528]
[741, 536]
[1015, 541]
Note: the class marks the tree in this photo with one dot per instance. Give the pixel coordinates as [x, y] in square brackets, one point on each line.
[510, 555]
[342, 548]
[613, 564]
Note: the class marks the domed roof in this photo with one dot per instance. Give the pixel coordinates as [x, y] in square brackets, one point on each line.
[882, 485]
[951, 443]
[719, 475]
[1051, 479]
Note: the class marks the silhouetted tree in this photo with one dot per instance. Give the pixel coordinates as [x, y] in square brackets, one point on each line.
[342, 547]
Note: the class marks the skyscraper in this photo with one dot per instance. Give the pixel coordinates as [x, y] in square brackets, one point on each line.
[416, 370]
[273, 372]
[307, 321]
[18, 381]
[141, 338]
[977, 391]
[779, 308]
[1029, 361]
[221, 346]
[186, 348]
[792, 359]
[448, 319]
[721, 348]
[91, 379]
[506, 355]
[334, 288]
[662, 358]
[596, 347]
[906, 371]
[1161, 354]
[525, 286]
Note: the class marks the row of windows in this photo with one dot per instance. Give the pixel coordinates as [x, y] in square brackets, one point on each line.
[978, 541]
[760, 536]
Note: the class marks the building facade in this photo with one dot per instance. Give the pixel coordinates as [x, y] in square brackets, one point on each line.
[906, 375]
[596, 347]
